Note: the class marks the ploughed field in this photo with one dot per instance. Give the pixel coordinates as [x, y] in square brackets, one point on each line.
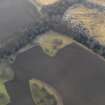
[75, 73]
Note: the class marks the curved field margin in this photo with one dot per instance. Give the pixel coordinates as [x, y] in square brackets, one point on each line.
[44, 94]
[4, 97]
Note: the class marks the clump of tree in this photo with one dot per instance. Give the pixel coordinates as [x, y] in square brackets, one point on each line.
[24, 37]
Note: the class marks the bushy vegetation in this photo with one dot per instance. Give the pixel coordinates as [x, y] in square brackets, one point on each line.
[23, 38]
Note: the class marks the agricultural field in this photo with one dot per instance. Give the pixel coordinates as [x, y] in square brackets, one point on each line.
[52, 52]
[91, 21]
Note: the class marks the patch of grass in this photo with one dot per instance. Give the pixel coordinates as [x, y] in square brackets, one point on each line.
[46, 2]
[43, 94]
[4, 97]
[52, 42]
